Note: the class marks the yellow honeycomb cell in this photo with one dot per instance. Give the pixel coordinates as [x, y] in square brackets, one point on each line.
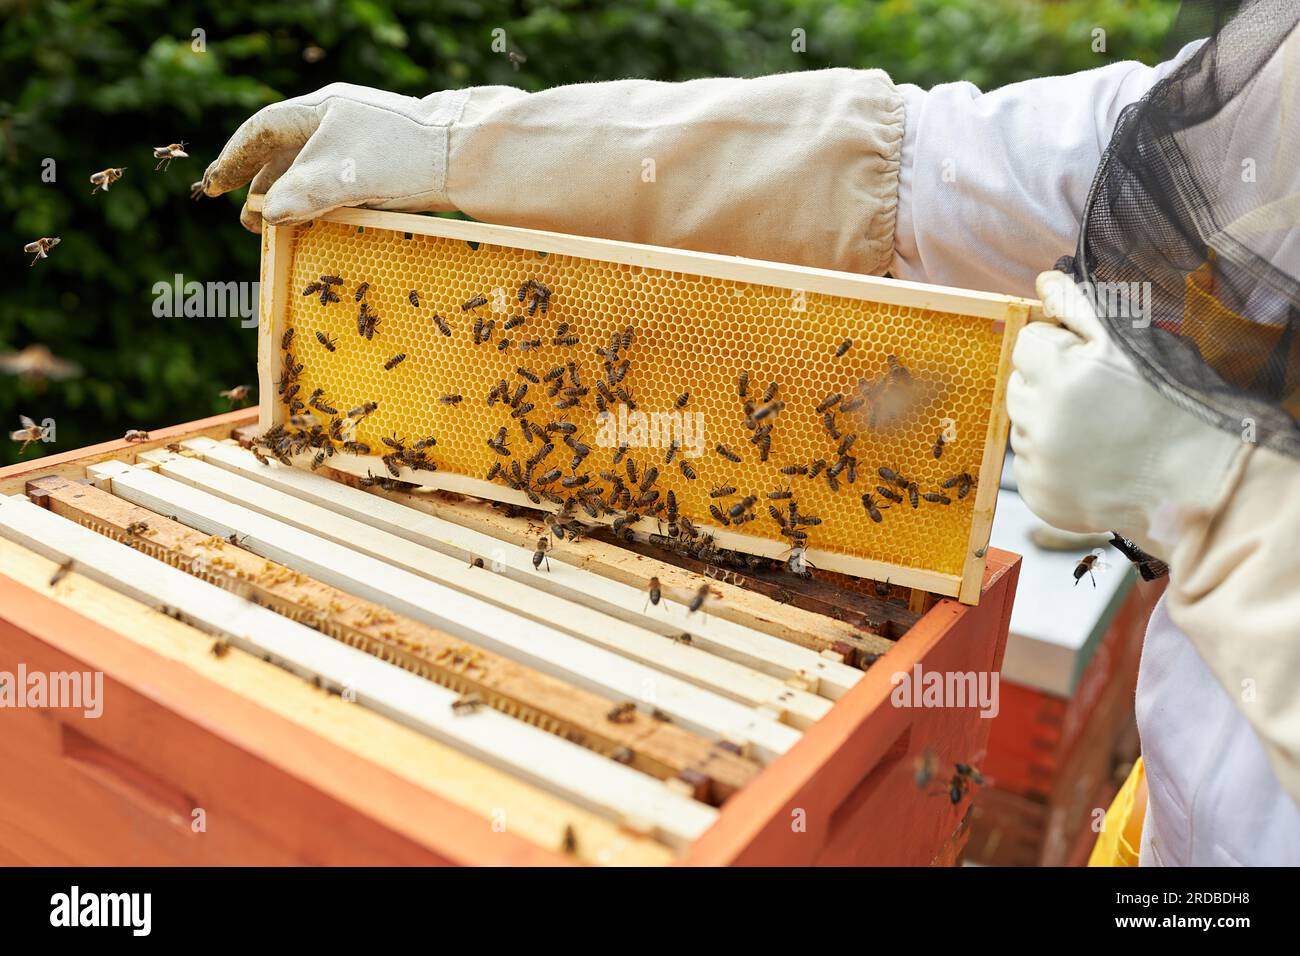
[690, 333]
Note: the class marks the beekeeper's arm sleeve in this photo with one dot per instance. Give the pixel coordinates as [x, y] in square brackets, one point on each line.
[1235, 593]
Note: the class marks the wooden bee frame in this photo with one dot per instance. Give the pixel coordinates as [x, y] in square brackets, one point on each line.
[962, 540]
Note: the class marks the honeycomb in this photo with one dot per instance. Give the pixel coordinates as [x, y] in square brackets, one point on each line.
[691, 334]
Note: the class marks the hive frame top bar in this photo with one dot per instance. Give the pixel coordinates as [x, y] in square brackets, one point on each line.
[852, 285]
[1007, 314]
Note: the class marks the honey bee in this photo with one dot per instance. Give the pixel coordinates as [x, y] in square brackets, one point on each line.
[780, 494]
[451, 399]
[105, 178]
[912, 494]
[682, 399]
[936, 498]
[41, 247]
[237, 394]
[727, 453]
[686, 468]
[395, 361]
[892, 476]
[466, 704]
[364, 409]
[963, 483]
[740, 507]
[312, 288]
[843, 348]
[414, 298]
[897, 371]
[725, 491]
[137, 527]
[136, 434]
[742, 384]
[826, 403]
[475, 303]
[220, 648]
[287, 339]
[329, 343]
[1087, 565]
[36, 364]
[165, 155]
[873, 510]
[525, 373]
[939, 442]
[623, 713]
[697, 601]
[543, 546]
[889, 493]
[61, 571]
[361, 291]
[443, 327]
[367, 322]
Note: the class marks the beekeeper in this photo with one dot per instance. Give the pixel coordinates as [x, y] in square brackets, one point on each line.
[1170, 420]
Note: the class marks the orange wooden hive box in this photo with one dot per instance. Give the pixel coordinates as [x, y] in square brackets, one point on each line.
[321, 665]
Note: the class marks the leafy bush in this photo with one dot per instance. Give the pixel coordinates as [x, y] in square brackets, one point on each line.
[95, 84]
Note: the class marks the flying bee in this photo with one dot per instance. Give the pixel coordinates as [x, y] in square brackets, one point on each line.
[105, 178]
[329, 343]
[41, 247]
[165, 155]
[395, 361]
[196, 190]
[726, 453]
[697, 601]
[935, 497]
[37, 364]
[466, 704]
[29, 432]
[451, 399]
[740, 507]
[135, 434]
[220, 647]
[237, 394]
[852, 405]
[623, 713]
[1087, 565]
[475, 303]
[873, 509]
[897, 371]
[543, 546]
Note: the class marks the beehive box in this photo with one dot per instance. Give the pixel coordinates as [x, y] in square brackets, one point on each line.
[280, 682]
[714, 351]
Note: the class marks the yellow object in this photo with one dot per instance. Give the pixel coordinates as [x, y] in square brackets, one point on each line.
[1118, 842]
[691, 335]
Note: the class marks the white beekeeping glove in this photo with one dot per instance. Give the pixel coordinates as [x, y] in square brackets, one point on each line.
[343, 145]
[798, 167]
[1097, 447]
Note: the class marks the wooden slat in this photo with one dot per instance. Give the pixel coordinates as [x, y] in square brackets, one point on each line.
[756, 609]
[602, 785]
[470, 618]
[564, 577]
[652, 746]
[852, 285]
[990, 473]
[440, 772]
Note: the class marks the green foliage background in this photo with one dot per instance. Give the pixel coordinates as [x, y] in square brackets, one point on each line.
[97, 83]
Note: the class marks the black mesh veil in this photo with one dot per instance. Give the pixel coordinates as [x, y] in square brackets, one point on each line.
[1189, 245]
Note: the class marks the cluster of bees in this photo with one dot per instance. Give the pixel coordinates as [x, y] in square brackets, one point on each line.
[540, 452]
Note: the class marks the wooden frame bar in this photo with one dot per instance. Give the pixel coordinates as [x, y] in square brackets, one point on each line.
[471, 619]
[623, 794]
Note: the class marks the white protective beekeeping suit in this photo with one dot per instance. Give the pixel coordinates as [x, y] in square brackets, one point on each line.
[844, 169]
